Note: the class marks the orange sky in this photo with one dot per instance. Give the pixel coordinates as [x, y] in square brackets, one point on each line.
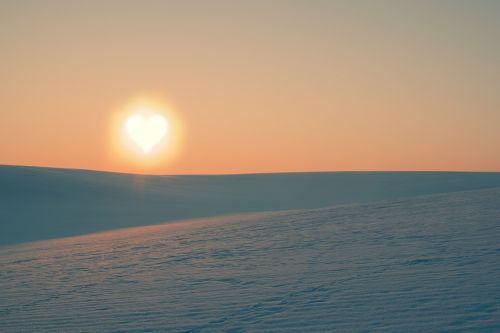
[258, 86]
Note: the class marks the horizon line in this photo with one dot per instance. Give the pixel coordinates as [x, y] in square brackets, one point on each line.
[241, 173]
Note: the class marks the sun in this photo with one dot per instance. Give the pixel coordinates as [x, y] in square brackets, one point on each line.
[145, 130]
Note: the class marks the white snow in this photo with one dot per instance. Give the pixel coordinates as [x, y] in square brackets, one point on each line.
[44, 203]
[415, 264]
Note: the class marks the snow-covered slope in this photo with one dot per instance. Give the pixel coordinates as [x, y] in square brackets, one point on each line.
[44, 203]
[420, 264]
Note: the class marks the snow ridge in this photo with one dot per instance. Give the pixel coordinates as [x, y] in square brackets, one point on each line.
[44, 203]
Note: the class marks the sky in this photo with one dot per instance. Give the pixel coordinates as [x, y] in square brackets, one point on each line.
[255, 86]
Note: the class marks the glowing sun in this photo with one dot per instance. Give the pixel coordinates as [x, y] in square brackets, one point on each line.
[146, 131]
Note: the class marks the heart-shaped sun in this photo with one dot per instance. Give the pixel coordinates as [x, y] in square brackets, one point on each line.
[146, 131]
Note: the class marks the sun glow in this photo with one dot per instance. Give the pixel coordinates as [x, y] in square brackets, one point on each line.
[146, 132]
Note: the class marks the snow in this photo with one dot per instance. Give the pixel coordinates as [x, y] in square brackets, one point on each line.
[45, 203]
[421, 263]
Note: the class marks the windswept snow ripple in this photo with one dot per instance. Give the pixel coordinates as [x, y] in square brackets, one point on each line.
[423, 264]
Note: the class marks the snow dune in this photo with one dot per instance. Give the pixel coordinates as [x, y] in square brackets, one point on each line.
[45, 203]
[416, 264]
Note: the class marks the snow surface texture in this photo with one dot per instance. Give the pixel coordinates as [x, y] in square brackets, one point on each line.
[420, 264]
[45, 203]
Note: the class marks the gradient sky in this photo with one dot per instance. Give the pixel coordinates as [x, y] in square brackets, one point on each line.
[260, 86]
